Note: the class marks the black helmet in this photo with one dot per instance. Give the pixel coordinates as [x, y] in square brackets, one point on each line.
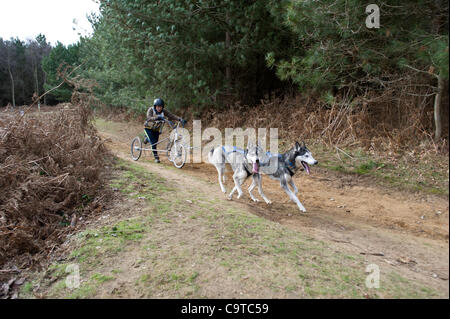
[158, 102]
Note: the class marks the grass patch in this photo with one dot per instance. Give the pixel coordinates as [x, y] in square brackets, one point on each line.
[108, 240]
[101, 278]
[26, 290]
[367, 167]
[84, 292]
[144, 278]
[138, 182]
[427, 174]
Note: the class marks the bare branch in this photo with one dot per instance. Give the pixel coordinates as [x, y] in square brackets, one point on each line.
[421, 71]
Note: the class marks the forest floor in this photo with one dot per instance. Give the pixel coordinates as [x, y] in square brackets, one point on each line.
[171, 233]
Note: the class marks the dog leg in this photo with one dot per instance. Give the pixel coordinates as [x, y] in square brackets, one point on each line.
[268, 201]
[239, 177]
[251, 188]
[230, 196]
[292, 196]
[223, 172]
[216, 157]
[240, 182]
[221, 176]
[291, 182]
[235, 188]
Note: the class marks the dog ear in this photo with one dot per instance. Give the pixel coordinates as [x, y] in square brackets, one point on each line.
[303, 144]
[297, 145]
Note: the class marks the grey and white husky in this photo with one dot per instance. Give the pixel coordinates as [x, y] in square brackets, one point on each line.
[282, 167]
[245, 163]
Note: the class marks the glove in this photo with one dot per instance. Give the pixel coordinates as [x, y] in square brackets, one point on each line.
[160, 117]
[146, 123]
[183, 122]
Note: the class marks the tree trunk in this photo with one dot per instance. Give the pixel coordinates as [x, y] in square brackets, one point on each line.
[437, 109]
[43, 85]
[36, 79]
[36, 84]
[23, 87]
[12, 86]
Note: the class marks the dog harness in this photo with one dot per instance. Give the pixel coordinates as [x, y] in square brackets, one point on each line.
[271, 155]
[290, 164]
[235, 149]
[238, 150]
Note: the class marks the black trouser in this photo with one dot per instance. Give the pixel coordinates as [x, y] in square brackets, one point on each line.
[154, 137]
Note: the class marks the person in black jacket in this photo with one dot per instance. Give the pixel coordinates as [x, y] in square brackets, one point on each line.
[155, 122]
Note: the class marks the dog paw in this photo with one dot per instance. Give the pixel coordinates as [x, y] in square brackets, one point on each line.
[255, 200]
[269, 202]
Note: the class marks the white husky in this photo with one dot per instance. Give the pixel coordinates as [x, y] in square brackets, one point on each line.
[244, 163]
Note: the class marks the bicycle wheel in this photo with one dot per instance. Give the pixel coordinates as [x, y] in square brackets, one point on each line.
[136, 148]
[178, 155]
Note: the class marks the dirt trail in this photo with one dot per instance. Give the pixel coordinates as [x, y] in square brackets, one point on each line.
[392, 229]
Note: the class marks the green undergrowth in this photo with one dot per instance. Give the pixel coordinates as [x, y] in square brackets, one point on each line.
[427, 174]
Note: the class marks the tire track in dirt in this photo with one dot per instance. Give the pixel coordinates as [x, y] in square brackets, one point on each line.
[384, 226]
